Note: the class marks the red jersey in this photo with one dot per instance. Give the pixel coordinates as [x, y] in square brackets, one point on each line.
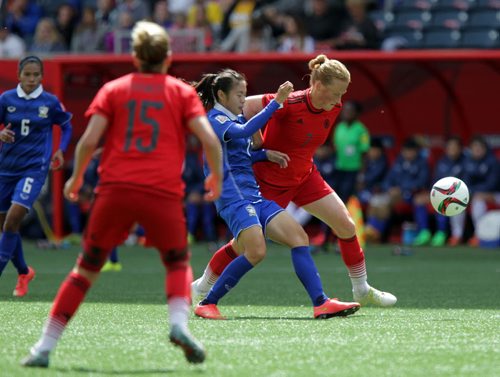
[148, 117]
[298, 129]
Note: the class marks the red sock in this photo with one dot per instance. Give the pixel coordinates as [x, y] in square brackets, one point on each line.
[222, 258]
[178, 280]
[69, 297]
[352, 253]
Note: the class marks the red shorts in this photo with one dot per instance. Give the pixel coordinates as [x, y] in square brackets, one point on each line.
[117, 207]
[309, 190]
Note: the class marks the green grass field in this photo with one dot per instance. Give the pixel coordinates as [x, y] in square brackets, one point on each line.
[446, 322]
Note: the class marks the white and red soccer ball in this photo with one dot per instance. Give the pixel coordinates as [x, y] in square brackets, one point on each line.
[449, 196]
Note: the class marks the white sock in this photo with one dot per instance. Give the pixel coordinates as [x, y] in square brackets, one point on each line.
[359, 278]
[207, 281]
[52, 331]
[178, 310]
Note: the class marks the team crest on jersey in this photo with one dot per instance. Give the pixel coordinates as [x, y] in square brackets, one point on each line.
[11, 109]
[43, 111]
[251, 210]
[222, 119]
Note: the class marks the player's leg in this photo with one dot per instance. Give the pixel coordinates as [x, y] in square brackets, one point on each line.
[244, 222]
[99, 240]
[317, 198]
[166, 230]
[420, 202]
[283, 229]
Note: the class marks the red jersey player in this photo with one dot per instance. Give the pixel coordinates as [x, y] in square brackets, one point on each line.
[298, 129]
[145, 117]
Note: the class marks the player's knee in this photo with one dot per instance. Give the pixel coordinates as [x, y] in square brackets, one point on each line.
[174, 257]
[255, 255]
[346, 228]
[298, 237]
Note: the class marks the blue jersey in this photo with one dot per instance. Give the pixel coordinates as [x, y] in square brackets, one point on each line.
[482, 175]
[409, 176]
[31, 117]
[447, 167]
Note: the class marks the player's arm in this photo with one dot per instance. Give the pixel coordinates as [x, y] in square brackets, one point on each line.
[83, 154]
[201, 127]
[260, 119]
[253, 105]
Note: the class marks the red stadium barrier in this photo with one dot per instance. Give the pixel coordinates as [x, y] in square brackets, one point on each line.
[431, 93]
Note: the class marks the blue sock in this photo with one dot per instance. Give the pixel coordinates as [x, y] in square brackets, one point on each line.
[140, 232]
[229, 278]
[8, 244]
[442, 223]
[308, 274]
[192, 212]
[421, 217]
[18, 257]
[75, 218]
[113, 257]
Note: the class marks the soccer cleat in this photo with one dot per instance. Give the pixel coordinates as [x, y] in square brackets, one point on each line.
[439, 239]
[36, 359]
[375, 297]
[454, 241]
[110, 266]
[209, 311]
[193, 350]
[22, 283]
[422, 238]
[335, 308]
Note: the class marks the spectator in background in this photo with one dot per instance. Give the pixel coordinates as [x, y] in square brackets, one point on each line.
[47, 39]
[208, 11]
[236, 26]
[375, 168]
[451, 164]
[196, 206]
[357, 31]
[294, 38]
[117, 40]
[197, 18]
[161, 14]
[106, 14]
[322, 22]
[408, 176]
[89, 35]
[138, 9]
[65, 23]
[22, 18]
[482, 177]
[11, 45]
[179, 6]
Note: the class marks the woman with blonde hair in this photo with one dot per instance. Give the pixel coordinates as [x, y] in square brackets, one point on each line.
[47, 39]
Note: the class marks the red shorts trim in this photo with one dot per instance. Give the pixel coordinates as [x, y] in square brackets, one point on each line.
[309, 190]
[116, 209]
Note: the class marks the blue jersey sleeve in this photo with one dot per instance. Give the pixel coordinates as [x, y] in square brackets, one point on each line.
[258, 121]
[63, 118]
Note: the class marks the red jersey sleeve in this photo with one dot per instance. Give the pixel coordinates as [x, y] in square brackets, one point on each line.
[266, 98]
[101, 104]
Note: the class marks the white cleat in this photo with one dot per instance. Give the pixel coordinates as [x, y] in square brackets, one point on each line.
[375, 297]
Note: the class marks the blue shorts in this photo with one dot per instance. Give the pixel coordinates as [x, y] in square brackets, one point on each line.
[245, 214]
[22, 189]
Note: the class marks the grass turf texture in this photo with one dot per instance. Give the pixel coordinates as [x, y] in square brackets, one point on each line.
[446, 322]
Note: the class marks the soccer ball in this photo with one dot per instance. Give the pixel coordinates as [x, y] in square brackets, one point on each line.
[449, 196]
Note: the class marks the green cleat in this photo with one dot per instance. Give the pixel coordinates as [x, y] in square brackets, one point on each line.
[193, 350]
[376, 297]
[439, 238]
[422, 238]
[36, 359]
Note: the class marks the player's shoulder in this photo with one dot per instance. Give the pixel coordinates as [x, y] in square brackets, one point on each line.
[297, 97]
[217, 117]
[8, 93]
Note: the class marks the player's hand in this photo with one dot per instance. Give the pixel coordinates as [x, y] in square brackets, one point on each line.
[57, 160]
[283, 92]
[71, 188]
[277, 157]
[213, 186]
[7, 135]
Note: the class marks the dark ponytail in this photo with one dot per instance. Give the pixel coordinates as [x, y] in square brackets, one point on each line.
[211, 83]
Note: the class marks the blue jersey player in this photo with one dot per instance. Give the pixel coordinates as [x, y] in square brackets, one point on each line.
[27, 114]
[249, 216]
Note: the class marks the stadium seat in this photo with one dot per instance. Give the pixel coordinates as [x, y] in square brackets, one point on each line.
[450, 19]
[414, 5]
[381, 19]
[480, 38]
[484, 18]
[488, 4]
[414, 19]
[441, 38]
[406, 38]
[462, 5]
